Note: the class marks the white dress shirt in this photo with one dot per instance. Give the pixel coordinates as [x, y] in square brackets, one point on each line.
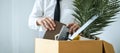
[46, 8]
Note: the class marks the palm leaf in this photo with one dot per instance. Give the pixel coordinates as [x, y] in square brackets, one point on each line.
[85, 9]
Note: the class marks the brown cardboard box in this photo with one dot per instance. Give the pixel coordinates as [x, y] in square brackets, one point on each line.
[82, 46]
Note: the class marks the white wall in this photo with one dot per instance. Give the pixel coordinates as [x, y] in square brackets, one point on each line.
[16, 37]
[22, 36]
[5, 26]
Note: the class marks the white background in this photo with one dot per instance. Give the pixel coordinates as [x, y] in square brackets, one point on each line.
[16, 37]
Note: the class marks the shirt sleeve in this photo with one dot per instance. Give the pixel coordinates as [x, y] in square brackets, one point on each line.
[37, 12]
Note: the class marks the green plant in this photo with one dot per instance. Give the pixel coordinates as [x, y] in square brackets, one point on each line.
[105, 9]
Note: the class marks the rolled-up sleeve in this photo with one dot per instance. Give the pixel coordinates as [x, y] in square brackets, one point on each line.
[37, 12]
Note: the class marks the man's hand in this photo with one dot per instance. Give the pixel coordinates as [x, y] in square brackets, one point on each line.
[47, 22]
[73, 27]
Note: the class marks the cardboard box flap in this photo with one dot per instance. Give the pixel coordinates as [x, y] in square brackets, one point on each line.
[83, 46]
[107, 48]
[46, 46]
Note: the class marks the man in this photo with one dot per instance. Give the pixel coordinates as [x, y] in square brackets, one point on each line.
[43, 15]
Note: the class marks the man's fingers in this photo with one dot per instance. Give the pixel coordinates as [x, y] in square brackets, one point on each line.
[43, 24]
[50, 24]
[73, 28]
[69, 25]
[52, 21]
[46, 25]
[47, 22]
